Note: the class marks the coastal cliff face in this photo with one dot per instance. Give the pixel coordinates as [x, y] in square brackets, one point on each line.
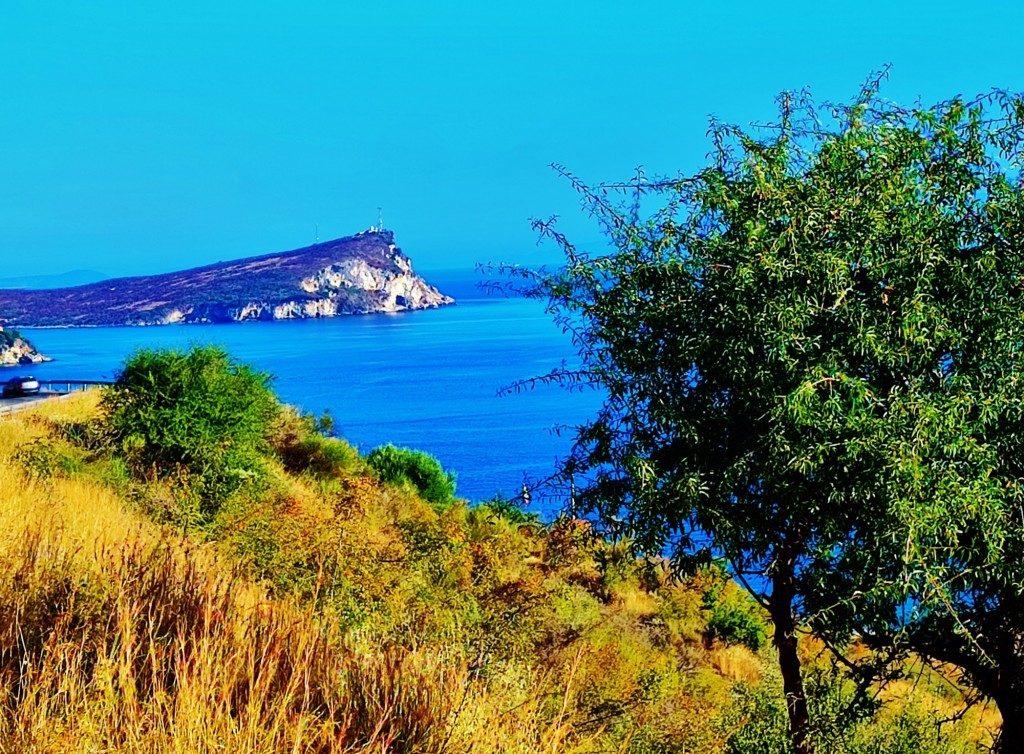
[361, 274]
[15, 350]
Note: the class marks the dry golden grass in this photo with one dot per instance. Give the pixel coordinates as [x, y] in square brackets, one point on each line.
[119, 635]
[982, 719]
[636, 602]
[114, 640]
[737, 663]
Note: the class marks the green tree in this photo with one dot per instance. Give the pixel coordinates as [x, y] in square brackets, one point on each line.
[197, 412]
[811, 356]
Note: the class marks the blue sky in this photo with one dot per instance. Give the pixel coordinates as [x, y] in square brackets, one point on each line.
[138, 138]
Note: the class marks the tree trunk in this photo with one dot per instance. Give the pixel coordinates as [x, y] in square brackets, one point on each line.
[1011, 734]
[781, 609]
[1000, 677]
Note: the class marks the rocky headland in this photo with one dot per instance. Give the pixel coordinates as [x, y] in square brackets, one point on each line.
[15, 349]
[360, 274]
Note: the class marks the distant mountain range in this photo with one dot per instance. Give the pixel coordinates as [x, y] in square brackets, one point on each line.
[61, 280]
[360, 274]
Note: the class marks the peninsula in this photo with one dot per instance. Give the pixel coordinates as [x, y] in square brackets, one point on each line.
[360, 274]
[15, 350]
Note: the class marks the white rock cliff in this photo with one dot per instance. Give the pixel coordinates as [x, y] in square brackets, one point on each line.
[359, 274]
[14, 350]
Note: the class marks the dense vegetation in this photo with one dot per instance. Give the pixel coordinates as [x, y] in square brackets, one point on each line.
[316, 607]
[8, 337]
[812, 352]
[812, 357]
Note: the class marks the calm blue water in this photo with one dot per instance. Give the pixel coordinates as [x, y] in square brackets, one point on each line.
[425, 380]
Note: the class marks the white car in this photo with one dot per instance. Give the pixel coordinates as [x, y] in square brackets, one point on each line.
[21, 386]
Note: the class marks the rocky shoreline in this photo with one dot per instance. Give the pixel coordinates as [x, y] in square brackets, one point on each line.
[361, 274]
[15, 350]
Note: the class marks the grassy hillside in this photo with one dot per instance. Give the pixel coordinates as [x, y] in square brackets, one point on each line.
[320, 609]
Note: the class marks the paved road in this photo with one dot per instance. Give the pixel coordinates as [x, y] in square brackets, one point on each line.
[14, 405]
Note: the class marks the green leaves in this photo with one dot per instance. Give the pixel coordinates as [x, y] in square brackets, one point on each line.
[414, 467]
[195, 413]
[822, 332]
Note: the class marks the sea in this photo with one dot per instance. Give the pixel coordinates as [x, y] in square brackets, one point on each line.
[431, 380]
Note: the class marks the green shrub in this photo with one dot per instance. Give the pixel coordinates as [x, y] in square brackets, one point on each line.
[322, 457]
[848, 719]
[617, 564]
[197, 413]
[733, 616]
[47, 458]
[416, 468]
[111, 471]
[89, 435]
[757, 721]
[735, 623]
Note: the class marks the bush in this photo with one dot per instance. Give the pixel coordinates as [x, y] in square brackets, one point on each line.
[304, 446]
[416, 468]
[757, 722]
[733, 616]
[197, 415]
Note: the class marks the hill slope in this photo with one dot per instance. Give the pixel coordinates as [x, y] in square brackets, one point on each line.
[326, 610]
[356, 275]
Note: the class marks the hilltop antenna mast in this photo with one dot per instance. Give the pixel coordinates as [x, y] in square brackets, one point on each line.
[316, 232]
[380, 218]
